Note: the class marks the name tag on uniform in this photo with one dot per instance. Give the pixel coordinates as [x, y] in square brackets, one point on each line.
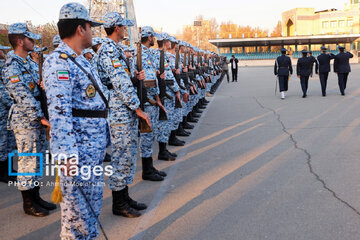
[149, 62]
[63, 75]
[116, 63]
[15, 79]
[166, 65]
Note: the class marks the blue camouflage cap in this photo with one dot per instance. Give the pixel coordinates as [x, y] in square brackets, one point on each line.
[38, 50]
[114, 19]
[56, 40]
[96, 41]
[182, 43]
[21, 28]
[4, 47]
[148, 31]
[76, 11]
[173, 39]
[163, 36]
[87, 50]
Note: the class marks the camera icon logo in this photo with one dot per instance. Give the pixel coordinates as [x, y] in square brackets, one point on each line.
[16, 154]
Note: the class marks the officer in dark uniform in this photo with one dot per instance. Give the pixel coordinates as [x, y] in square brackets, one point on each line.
[303, 70]
[342, 68]
[324, 68]
[282, 69]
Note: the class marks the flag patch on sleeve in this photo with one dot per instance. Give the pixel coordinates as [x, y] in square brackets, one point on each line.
[63, 75]
[116, 63]
[15, 79]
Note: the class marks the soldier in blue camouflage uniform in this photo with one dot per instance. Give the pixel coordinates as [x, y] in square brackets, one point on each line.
[147, 139]
[56, 41]
[79, 125]
[171, 91]
[26, 117]
[124, 113]
[7, 140]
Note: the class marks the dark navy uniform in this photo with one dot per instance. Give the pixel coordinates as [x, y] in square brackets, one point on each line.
[342, 68]
[303, 69]
[283, 68]
[324, 69]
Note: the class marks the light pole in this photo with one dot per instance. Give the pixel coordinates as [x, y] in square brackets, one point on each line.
[197, 24]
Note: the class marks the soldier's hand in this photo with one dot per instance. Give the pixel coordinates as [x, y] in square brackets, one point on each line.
[178, 97]
[45, 122]
[298, 76]
[186, 97]
[185, 69]
[162, 76]
[177, 71]
[140, 75]
[143, 115]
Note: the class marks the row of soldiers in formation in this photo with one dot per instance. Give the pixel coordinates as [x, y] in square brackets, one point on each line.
[304, 69]
[96, 100]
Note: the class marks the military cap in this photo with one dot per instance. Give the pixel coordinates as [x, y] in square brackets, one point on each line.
[173, 39]
[182, 43]
[163, 36]
[56, 40]
[96, 41]
[148, 31]
[283, 50]
[76, 11]
[21, 28]
[323, 48]
[4, 47]
[39, 50]
[304, 51]
[341, 47]
[114, 19]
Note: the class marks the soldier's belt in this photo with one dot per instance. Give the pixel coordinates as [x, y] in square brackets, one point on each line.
[150, 83]
[110, 86]
[169, 82]
[89, 113]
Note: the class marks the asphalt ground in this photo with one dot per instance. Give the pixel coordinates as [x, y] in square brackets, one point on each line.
[255, 167]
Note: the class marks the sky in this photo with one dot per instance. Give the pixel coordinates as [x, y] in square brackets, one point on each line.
[170, 16]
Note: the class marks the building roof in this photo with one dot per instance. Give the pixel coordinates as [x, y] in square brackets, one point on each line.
[279, 41]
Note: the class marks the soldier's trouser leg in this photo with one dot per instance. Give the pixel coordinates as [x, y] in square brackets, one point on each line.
[341, 82]
[3, 139]
[27, 141]
[147, 139]
[283, 83]
[164, 126]
[346, 75]
[323, 82]
[77, 219]
[124, 154]
[304, 83]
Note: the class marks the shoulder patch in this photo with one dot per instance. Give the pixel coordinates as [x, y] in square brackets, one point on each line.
[90, 91]
[116, 63]
[63, 56]
[15, 79]
[149, 62]
[63, 75]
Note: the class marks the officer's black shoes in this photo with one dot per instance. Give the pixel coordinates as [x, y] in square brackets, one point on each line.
[304, 96]
[166, 156]
[343, 94]
[4, 172]
[107, 158]
[149, 172]
[121, 206]
[174, 141]
[324, 95]
[134, 204]
[30, 206]
[44, 204]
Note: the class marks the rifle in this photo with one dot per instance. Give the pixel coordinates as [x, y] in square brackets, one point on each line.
[142, 93]
[43, 99]
[162, 87]
[177, 60]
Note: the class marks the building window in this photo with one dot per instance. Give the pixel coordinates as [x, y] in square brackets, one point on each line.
[350, 22]
[342, 23]
[333, 24]
[325, 24]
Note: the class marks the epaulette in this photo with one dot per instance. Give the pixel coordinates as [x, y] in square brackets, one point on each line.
[63, 56]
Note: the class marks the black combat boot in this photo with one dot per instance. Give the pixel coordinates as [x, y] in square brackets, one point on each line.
[191, 119]
[174, 141]
[181, 132]
[4, 172]
[164, 154]
[206, 101]
[194, 114]
[36, 195]
[30, 206]
[149, 172]
[132, 203]
[121, 206]
[186, 125]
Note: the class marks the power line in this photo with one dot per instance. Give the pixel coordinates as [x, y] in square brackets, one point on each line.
[35, 10]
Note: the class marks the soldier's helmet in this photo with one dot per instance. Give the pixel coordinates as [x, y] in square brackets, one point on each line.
[76, 11]
[148, 31]
[22, 28]
[113, 19]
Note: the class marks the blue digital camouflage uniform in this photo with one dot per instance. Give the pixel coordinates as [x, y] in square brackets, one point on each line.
[7, 140]
[20, 79]
[67, 88]
[123, 119]
[56, 40]
[147, 139]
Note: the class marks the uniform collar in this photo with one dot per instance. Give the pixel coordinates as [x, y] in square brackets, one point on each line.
[63, 47]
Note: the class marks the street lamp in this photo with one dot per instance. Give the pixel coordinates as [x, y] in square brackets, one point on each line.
[197, 24]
